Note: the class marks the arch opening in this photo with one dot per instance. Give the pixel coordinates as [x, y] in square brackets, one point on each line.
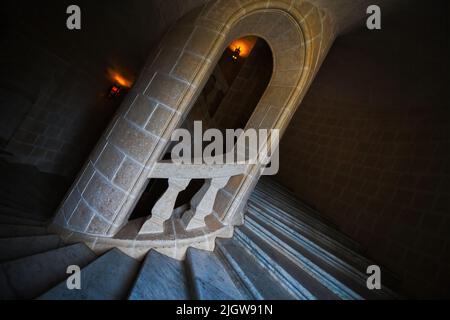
[227, 101]
[165, 93]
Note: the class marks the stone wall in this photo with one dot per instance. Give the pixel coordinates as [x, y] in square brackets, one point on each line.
[54, 82]
[370, 145]
[65, 108]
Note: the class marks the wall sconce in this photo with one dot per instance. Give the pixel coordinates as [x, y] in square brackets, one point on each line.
[120, 84]
[236, 54]
[114, 91]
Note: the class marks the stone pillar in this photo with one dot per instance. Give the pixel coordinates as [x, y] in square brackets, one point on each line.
[116, 173]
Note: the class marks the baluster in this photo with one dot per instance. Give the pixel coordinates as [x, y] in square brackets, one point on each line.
[203, 203]
[163, 209]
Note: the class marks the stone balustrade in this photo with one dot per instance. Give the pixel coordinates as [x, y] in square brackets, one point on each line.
[179, 176]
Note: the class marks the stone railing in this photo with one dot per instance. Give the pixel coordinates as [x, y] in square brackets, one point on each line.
[179, 177]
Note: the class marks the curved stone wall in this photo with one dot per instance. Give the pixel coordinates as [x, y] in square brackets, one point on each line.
[299, 34]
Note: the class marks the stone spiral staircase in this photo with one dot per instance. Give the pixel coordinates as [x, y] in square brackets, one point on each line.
[285, 250]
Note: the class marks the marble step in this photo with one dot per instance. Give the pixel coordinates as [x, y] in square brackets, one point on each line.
[290, 198]
[16, 248]
[11, 220]
[109, 277]
[255, 277]
[310, 263]
[29, 277]
[11, 231]
[271, 206]
[209, 278]
[295, 211]
[293, 206]
[321, 239]
[345, 273]
[348, 277]
[285, 194]
[160, 278]
[290, 275]
[350, 258]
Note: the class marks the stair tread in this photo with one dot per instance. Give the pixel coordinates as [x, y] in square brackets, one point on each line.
[293, 208]
[160, 278]
[296, 206]
[307, 219]
[286, 225]
[296, 237]
[15, 248]
[289, 197]
[342, 275]
[284, 251]
[258, 280]
[319, 238]
[210, 279]
[287, 271]
[10, 231]
[28, 277]
[109, 277]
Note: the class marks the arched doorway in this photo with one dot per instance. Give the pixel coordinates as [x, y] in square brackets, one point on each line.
[227, 101]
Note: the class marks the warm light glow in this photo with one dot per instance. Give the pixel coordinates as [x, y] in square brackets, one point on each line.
[244, 44]
[118, 79]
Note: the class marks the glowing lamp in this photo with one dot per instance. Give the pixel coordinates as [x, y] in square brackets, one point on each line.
[120, 83]
[236, 54]
[114, 91]
[242, 47]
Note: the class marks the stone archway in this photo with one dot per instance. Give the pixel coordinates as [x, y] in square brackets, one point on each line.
[299, 34]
